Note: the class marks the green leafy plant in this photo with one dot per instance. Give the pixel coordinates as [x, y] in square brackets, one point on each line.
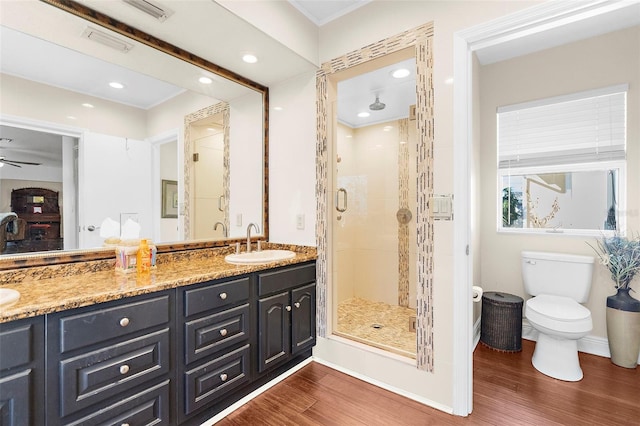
[511, 207]
[621, 255]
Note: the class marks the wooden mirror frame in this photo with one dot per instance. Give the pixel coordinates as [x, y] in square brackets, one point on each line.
[56, 257]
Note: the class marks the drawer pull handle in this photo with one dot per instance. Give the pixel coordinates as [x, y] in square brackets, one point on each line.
[223, 296]
[223, 377]
[288, 308]
[297, 305]
[124, 369]
[223, 332]
[124, 322]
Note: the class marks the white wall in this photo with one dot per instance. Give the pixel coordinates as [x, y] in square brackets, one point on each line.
[354, 31]
[598, 62]
[292, 161]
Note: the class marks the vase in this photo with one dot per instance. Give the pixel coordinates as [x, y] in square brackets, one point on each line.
[623, 328]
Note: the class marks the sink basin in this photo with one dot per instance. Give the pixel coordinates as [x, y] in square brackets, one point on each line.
[264, 256]
[8, 296]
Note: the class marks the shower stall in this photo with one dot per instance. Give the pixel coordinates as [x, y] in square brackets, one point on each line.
[374, 235]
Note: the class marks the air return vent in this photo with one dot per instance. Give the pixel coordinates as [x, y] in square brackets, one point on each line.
[107, 39]
[151, 8]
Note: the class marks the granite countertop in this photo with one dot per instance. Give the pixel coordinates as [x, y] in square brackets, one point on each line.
[51, 289]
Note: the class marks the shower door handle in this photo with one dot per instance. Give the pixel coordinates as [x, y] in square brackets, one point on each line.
[220, 200]
[346, 198]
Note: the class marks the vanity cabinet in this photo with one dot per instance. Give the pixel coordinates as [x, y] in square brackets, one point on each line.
[173, 357]
[111, 363]
[214, 338]
[22, 372]
[286, 314]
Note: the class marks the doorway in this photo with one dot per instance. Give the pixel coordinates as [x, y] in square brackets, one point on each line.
[373, 219]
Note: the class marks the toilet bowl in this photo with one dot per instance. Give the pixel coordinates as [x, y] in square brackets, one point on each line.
[559, 284]
[560, 322]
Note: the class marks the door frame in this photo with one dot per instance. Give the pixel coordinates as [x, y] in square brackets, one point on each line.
[531, 21]
[70, 188]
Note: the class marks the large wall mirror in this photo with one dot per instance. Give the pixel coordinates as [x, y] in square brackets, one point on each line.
[178, 155]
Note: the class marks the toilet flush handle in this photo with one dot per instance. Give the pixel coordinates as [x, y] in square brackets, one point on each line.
[531, 262]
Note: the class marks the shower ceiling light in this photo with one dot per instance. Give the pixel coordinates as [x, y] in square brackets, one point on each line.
[377, 105]
[400, 73]
[363, 114]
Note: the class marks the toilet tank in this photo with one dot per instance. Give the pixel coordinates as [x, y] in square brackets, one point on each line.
[557, 274]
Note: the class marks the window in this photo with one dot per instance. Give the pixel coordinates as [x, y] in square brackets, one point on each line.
[561, 163]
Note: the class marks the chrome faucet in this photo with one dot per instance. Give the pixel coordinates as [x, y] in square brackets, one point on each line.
[249, 235]
[224, 228]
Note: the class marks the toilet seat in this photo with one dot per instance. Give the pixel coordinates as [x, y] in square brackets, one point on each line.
[558, 313]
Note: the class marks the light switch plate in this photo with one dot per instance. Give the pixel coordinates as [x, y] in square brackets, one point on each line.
[300, 221]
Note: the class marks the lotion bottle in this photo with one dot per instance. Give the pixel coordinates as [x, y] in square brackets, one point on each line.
[143, 260]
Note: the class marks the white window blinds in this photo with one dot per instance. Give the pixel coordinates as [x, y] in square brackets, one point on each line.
[579, 128]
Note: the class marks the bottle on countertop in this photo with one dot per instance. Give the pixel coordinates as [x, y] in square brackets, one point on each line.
[143, 260]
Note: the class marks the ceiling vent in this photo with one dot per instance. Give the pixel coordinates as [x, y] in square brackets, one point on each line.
[151, 8]
[107, 39]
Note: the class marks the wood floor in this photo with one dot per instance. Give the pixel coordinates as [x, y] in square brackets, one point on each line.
[507, 391]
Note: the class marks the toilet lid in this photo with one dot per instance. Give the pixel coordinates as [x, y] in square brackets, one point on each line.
[559, 308]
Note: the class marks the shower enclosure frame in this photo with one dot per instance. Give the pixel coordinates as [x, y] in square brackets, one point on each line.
[420, 40]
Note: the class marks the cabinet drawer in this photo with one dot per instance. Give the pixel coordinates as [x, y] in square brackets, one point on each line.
[100, 325]
[147, 408]
[96, 376]
[213, 379]
[213, 333]
[20, 340]
[216, 296]
[284, 279]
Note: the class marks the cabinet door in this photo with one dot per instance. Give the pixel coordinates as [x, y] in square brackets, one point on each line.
[274, 340]
[22, 372]
[303, 318]
[14, 399]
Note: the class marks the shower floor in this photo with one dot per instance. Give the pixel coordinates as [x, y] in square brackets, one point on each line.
[358, 320]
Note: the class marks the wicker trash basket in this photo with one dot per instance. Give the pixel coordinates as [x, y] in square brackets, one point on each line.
[501, 322]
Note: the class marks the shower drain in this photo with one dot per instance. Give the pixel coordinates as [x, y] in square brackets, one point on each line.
[377, 326]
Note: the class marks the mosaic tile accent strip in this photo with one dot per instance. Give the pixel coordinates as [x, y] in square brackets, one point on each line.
[421, 39]
[424, 119]
[322, 212]
[403, 203]
[220, 107]
[377, 324]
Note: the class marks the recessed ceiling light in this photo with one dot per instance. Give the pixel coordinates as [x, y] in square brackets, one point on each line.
[87, 105]
[116, 85]
[205, 80]
[400, 73]
[349, 136]
[71, 117]
[250, 58]
[363, 114]
[387, 128]
[278, 108]
[449, 80]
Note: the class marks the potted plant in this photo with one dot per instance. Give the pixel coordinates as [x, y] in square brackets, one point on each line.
[621, 255]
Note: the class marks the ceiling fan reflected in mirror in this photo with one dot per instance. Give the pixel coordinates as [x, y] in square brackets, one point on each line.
[16, 163]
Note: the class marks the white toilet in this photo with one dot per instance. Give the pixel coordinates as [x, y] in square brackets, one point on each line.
[559, 284]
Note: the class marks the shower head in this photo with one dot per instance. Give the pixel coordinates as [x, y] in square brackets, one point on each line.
[377, 105]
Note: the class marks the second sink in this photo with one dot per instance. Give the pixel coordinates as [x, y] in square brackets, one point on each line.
[8, 296]
[264, 256]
